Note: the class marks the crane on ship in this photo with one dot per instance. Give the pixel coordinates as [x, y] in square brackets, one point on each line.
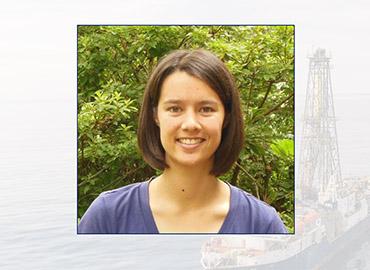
[320, 171]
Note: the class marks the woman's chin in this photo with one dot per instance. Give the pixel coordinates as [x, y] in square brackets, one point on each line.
[191, 162]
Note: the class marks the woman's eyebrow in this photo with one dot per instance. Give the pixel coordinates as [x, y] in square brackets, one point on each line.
[208, 102]
[202, 102]
[172, 101]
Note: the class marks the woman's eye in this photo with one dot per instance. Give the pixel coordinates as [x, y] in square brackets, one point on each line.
[174, 109]
[207, 109]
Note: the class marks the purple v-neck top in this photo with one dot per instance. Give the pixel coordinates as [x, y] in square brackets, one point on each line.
[126, 210]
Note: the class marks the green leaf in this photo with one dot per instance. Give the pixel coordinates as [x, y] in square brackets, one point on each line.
[283, 148]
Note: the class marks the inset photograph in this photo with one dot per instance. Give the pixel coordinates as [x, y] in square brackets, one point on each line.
[185, 129]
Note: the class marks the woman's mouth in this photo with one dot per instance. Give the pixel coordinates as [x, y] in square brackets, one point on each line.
[190, 143]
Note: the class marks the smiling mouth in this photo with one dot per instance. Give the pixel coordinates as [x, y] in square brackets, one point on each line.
[190, 141]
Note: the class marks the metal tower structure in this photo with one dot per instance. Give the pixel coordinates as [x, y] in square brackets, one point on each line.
[319, 169]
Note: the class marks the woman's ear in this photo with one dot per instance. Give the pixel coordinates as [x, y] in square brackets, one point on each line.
[155, 116]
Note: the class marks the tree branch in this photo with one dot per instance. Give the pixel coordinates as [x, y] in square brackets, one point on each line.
[98, 172]
[234, 178]
[186, 38]
[255, 119]
[251, 177]
[251, 87]
[266, 94]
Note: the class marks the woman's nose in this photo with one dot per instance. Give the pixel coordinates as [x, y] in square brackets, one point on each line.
[190, 122]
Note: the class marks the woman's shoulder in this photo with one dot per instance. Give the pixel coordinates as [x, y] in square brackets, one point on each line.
[256, 216]
[114, 195]
[113, 208]
[248, 200]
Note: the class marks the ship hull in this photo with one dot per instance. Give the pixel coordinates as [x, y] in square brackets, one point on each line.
[318, 256]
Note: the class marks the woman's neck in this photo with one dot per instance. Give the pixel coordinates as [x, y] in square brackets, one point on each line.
[187, 188]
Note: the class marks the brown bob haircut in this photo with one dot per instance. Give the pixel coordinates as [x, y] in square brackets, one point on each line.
[207, 67]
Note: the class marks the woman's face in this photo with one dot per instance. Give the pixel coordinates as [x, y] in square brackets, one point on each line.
[190, 116]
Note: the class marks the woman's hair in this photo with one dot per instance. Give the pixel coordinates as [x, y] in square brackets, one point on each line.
[207, 67]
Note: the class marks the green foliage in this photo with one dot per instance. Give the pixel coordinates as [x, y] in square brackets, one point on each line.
[283, 148]
[283, 151]
[114, 63]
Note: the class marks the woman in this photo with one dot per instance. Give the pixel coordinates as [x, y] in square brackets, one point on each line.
[191, 128]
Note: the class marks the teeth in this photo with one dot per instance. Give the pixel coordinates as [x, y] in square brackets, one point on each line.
[190, 141]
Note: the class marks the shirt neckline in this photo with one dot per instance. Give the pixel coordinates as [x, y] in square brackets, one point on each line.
[149, 218]
[230, 217]
[146, 210]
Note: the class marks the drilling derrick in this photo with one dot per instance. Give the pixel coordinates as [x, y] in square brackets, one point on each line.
[319, 170]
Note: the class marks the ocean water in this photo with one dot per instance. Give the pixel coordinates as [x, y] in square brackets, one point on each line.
[358, 257]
